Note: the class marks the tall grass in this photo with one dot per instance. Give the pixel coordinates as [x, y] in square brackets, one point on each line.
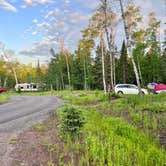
[116, 133]
[112, 141]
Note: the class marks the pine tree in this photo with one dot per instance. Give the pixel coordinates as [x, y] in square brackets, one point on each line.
[39, 74]
[123, 63]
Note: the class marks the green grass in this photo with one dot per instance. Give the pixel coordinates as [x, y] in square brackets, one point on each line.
[40, 127]
[107, 140]
[116, 142]
[123, 131]
[4, 97]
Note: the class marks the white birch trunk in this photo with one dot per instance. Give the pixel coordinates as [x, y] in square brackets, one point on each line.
[103, 62]
[139, 70]
[109, 44]
[12, 67]
[15, 75]
[112, 40]
[5, 82]
[85, 74]
[129, 49]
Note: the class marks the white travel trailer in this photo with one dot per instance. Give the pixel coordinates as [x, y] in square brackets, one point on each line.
[32, 87]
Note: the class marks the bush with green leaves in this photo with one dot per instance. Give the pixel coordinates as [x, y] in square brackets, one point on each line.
[71, 121]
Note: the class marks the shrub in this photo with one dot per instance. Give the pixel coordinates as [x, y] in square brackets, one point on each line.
[71, 121]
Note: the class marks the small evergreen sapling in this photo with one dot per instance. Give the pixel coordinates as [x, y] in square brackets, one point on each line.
[71, 121]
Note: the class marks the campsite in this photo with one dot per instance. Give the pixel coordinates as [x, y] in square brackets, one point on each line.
[82, 83]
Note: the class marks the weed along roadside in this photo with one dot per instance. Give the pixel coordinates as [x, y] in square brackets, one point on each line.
[90, 130]
[4, 98]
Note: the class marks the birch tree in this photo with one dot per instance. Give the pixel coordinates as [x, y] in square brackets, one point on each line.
[66, 53]
[130, 20]
[107, 30]
[110, 22]
[84, 53]
[97, 25]
[103, 61]
[7, 57]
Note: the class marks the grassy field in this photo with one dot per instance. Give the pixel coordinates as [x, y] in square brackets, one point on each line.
[121, 131]
[111, 130]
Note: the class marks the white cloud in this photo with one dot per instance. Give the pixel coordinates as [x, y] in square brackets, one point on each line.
[34, 33]
[66, 3]
[35, 21]
[49, 14]
[40, 48]
[29, 3]
[86, 4]
[42, 25]
[58, 24]
[76, 18]
[6, 5]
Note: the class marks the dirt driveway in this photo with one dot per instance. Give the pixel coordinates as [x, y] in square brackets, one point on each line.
[20, 113]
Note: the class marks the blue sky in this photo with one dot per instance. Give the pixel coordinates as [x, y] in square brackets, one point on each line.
[31, 27]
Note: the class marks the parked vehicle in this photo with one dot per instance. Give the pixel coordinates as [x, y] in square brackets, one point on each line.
[3, 90]
[128, 89]
[32, 87]
[151, 85]
[159, 88]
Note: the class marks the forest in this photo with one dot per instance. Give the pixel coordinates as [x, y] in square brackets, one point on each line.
[99, 62]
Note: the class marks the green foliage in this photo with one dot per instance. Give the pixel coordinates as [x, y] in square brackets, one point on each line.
[122, 67]
[112, 141]
[85, 63]
[4, 97]
[71, 121]
[105, 139]
[122, 142]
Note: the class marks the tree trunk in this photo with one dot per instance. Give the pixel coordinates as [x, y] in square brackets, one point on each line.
[11, 65]
[85, 74]
[112, 57]
[111, 71]
[103, 62]
[109, 45]
[112, 41]
[15, 75]
[51, 87]
[62, 81]
[5, 82]
[114, 72]
[124, 64]
[139, 70]
[68, 70]
[129, 49]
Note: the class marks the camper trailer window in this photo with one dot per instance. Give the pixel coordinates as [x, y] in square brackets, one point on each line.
[27, 86]
[34, 86]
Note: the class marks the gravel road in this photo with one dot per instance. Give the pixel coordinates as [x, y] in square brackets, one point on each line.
[23, 111]
[20, 113]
